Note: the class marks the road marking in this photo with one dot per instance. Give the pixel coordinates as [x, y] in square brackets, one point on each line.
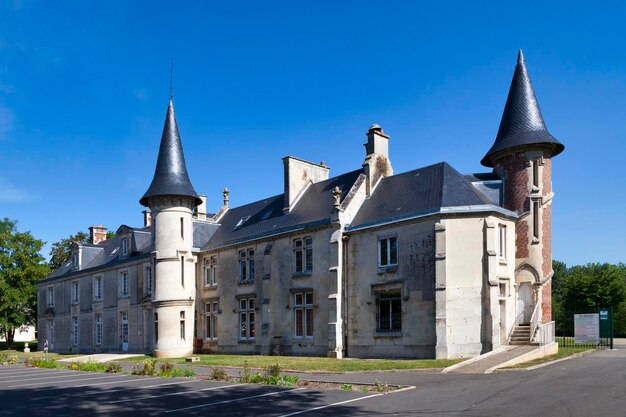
[343, 402]
[73, 374]
[96, 384]
[71, 380]
[233, 400]
[135, 388]
[29, 374]
[147, 397]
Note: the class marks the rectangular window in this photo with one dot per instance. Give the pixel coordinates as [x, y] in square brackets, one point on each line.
[98, 329]
[147, 276]
[75, 292]
[388, 252]
[210, 320]
[246, 318]
[182, 228]
[124, 284]
[182, 271]
[124, 247]
[50, 296]
[74, 331]
[51, 332]
[536, 219]
[97, 288]
[388, 312]
[210, 271]
[75, 263]
[182, 325]
[303, 314]
[303, 255]
[246, 265]
[502, 241]
[156, 327]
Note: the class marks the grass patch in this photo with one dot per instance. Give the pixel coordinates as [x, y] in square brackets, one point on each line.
[564, 352]
[305, 364]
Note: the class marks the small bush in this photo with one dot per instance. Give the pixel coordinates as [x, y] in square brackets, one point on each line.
[45, 363]
[178, 373]
[273, 371]
[90, 366]
[113, 368]
[381, 386]
[147, 367]
[365, 389]
[346, 387]
[7, 359]
[166, 367]
[218, 374]
[246, 372]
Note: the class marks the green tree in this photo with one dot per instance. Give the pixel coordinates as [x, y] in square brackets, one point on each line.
[21, 266]
[594, 285]
[60, 251]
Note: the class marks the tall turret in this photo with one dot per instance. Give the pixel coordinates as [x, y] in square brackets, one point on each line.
[171, 199]
[522, 156]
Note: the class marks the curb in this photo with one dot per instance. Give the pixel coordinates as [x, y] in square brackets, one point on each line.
[574, 356]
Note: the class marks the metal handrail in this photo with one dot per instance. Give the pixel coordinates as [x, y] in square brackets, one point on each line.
[515, 323]
[534, 321]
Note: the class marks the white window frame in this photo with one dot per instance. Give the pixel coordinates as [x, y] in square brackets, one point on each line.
[124, 284]
[75, 331]
[246, 265]
[390, 262]
[247, 318]
[182, 325]
[75, 260]
[211, 310]
[502, 241]
[125, 247]
[210, 271]
[50, 296]
[98, 283]
[75, 292]
[98, 329]
[303, 307]
[303, 247]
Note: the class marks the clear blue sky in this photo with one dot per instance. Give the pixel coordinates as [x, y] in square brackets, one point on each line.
[84, 89]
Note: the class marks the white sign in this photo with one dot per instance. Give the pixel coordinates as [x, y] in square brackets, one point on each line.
[586, 328]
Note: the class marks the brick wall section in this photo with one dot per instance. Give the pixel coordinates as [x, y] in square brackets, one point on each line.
[521, 239]
[547, 176]
[515, 173]
[546, 239]
[546, 302]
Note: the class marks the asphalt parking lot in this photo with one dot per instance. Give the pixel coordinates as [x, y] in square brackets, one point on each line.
[55, 392]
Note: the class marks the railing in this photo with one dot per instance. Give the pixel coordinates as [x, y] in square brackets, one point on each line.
[515, 323]
[535, 320]
[546, 333]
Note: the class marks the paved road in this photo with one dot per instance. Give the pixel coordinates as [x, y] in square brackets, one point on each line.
[594, 385]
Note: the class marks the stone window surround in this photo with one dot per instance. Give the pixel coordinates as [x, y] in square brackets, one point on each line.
[306, 308]
[396, 286]
[124, 292]
[96, 278]
[75, 291]
[246, 313]
[50, 295]
[390, 266]
[211, 312]
[210, 271]
[300, 246]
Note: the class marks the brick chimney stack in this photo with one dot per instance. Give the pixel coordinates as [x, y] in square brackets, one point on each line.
[97, 234]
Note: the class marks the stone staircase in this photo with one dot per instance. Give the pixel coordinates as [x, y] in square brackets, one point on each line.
[521, 335]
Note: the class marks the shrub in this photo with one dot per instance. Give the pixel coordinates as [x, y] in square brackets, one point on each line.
[381, 386]
[246, 372]
[178, 373]
[166, 367]
[89, 366]
[365, 389]
[113, 368]
[273, 371]
[346, 387]
[7, 359]
[218, 374]
[45, 363]
[147, 367]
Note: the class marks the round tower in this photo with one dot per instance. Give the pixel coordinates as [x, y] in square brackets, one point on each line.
[522, 156]
[171, 199]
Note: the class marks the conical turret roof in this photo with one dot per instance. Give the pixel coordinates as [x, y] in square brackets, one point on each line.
[170, 175]
[522, 123]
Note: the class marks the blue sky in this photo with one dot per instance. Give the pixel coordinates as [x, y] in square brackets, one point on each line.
[84, 89]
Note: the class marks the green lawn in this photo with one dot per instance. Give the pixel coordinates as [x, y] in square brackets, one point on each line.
[298, 363]
[564, 352]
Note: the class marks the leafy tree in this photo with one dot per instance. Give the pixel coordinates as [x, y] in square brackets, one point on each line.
[60, 251]
[594, 285]
[21, 266]
[558, 284]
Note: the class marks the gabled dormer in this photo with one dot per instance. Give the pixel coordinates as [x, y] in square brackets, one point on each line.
[125, 235]
[75, 256]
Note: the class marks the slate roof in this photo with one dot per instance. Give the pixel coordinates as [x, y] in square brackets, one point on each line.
[108, 254]
[266, 217]
[170, 175]
[522, 123]
[421, 191]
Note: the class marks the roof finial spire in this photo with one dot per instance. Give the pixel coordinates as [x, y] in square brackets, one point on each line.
[171, 77]
[520, 56]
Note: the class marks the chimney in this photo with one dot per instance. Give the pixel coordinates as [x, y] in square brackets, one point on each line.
[298, 174]
[147, 218]
[97, 234]
[226, 194]
[199, 212]
[377, 162]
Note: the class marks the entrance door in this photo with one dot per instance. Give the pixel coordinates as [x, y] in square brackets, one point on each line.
[124, 331]
[525, 303]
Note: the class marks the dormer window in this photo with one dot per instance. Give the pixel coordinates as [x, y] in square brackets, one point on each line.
[124, 247]
[242, 221]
